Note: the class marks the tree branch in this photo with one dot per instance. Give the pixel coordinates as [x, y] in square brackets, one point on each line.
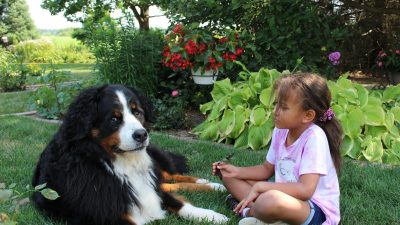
[358, 5]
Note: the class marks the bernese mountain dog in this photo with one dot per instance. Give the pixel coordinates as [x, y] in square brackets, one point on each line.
[101, 164]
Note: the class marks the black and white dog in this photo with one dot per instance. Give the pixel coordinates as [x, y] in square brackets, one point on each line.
[101, 164]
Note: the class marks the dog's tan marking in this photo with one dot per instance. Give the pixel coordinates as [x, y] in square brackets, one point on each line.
[128, 218]
[184, 186]
[178, 178]
[110, 141]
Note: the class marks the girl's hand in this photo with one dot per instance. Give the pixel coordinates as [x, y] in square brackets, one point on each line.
[226, 170]
[251, 197]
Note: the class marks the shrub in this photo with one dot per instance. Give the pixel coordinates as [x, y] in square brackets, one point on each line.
[53, 98]
[240, 113]
[12, 73]
[55, 50]
[126, 55]
[170, 111]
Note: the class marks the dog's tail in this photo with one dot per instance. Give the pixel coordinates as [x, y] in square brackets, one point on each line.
[179, 162]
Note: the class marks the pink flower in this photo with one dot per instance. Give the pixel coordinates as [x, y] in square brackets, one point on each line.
[397, 51]
[380, 64]
[175, 93]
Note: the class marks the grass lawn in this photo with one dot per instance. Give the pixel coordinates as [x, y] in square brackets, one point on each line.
[370, 193]
[13, 102]
[78, 72]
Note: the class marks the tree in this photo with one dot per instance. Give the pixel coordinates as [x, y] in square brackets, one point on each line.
[139, 8]
[15, 21]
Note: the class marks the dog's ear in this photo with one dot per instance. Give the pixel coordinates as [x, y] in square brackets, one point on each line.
[81, 115]
[147, 106]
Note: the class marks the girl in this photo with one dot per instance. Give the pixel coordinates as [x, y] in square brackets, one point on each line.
[304, 156]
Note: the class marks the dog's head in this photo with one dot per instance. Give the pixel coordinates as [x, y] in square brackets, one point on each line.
[112, 115]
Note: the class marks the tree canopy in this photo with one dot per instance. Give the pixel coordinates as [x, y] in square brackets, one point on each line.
[15, 21]
[77, 10]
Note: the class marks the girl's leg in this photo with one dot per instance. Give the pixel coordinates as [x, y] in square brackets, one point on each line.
[238, 188]
[272, 206]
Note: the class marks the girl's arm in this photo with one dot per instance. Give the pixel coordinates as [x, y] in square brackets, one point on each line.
[258, 172]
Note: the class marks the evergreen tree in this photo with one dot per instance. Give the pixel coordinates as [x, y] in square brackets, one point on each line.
[15, 21]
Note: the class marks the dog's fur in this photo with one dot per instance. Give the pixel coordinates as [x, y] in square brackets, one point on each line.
[106, 173]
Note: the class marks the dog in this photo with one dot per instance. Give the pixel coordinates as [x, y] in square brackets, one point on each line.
[104, 169]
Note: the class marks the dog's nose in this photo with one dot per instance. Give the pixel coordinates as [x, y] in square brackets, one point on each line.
[140, 135]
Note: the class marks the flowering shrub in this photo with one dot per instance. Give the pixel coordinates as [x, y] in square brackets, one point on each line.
[193, 48]
[389, 60]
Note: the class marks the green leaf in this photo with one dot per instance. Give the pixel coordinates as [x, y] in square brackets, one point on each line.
[241, 118]
[258, 116]
[347, 145]
[374, 150]
[265, 97]
[49, 194]
[353, 123]
[350, 95]
[389, 120]
[237, 98]
[204, 108]
[225, 126]
[5, 194]
[221, 89]
[374, 115]
[259, 136]
[390, 158]
[40, 186]
[375, 131]
[362, 94]
[243, 139]
[396, 112]
[391, 93]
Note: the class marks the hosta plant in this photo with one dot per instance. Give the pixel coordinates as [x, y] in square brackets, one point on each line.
[241, 114]
[370, 120]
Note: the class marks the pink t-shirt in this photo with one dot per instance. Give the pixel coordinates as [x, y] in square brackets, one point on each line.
[308, 154]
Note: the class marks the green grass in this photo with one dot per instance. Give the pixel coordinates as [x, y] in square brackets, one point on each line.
[370, 193]
[76, 72]
[13, 102]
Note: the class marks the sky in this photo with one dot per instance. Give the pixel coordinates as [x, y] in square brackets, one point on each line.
[44, 20]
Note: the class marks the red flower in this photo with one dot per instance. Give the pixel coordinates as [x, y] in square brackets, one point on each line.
[239, 51]
[178, 29]
[191, 47]
[223, 40]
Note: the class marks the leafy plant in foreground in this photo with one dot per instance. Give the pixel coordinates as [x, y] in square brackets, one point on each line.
[14, 199]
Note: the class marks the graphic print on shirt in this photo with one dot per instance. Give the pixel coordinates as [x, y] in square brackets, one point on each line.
[286, 168]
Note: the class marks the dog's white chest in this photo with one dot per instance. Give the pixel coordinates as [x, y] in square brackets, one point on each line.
[136, 168]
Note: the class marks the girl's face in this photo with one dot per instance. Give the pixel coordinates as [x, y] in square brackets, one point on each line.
[288, 113]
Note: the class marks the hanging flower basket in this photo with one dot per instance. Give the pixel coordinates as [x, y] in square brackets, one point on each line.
[207, 78]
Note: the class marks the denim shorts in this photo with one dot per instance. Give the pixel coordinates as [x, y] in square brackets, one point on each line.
[316, 216]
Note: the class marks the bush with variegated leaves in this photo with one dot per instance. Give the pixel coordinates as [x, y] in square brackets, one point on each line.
[241, 114]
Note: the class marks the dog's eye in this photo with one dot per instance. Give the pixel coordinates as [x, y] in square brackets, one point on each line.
[136, 113]
[114, 119]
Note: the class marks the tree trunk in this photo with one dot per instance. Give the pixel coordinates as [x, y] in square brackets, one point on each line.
[142, 17]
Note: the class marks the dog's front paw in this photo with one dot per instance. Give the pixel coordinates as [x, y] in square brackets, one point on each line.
[216, 186]
[202, 181]
[219, 218]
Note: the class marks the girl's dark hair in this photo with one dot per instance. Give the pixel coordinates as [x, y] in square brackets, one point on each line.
[315, 95]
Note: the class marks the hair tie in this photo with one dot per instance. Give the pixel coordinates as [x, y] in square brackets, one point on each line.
[328, 115]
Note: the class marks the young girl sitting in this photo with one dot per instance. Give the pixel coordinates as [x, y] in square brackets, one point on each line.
[304, 156]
